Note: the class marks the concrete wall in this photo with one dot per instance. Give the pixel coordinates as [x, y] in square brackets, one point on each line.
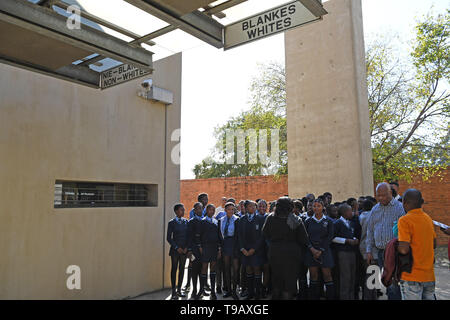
[52, 129]
[327, 107]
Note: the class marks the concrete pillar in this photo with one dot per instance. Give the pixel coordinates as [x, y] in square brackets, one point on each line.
[327, 105]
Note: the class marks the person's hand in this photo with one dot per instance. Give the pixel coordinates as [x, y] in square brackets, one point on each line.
[251, 252]
[185, 251]
[316, 253]
[245, 252]
[369, 258]
[201, 250]
[180, 251]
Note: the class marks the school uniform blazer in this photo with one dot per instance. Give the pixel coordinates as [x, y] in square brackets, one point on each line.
[250, 233]
[320, 234]
[177, 234]
[209, 232]
[194, 231]
[342, 231]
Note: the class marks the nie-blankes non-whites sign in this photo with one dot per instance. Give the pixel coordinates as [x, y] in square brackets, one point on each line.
[120, 74]
[287, 16]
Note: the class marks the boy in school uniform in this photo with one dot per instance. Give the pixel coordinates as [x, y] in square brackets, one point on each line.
[178, 240]
[251, 243]
[194, 244]
[266, 285]
[210, 249]
[346, 244]
[203, 199]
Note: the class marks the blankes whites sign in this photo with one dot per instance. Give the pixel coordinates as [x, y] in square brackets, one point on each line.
[267, 23]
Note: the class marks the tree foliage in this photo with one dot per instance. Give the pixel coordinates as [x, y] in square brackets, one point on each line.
[409, 101]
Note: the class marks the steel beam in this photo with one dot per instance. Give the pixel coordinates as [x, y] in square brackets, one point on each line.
[223, 6]
[72, 73]
[46, 22]
[104, 23]
[196, 23]
[153, 35]
[315, 6]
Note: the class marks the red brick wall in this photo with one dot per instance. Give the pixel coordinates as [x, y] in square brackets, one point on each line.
[436, 193]
[263, 187]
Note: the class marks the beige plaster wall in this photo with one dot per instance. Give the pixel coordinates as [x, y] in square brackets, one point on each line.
[52, 129]
[327, 108]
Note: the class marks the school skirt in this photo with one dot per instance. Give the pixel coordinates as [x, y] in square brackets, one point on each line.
[326, 258]
[228, 247]
[255, 260]
[209, 252]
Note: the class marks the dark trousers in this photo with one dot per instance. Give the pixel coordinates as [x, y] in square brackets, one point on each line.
[196, 271]
[219, 273]
[368, 294]
[347, 274]
[335, 273]
[178, 264]
[303, 282]
[360, 274]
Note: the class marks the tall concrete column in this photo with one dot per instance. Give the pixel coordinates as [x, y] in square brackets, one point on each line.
[327, 105]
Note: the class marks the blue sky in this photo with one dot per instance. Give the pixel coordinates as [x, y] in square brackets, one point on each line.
[215, 83]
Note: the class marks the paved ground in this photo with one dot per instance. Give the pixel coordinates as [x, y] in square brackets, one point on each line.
[442, 271]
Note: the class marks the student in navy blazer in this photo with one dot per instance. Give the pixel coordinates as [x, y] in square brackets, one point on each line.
[251, 244]
[194, 244]
[210, 249]
[178, 239]
[228, 228]
[318, 256]
[347, 234]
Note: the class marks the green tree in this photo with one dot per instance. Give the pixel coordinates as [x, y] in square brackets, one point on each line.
[267, 112]
[408, 103]
[408, 107]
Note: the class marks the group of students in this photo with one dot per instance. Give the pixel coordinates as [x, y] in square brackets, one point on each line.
[254, 249]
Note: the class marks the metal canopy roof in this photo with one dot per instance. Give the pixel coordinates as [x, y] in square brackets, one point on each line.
[34, 33]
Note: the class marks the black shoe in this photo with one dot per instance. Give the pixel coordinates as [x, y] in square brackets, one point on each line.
[244, 293]
[227, 294]
[181, 294]
[264, 292]
[203, 294]
[219, 290]
[174, 296]
[195, 297]
[234, 295]
[213, 296]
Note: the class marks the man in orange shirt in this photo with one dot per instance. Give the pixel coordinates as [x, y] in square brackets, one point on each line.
[416, 233]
